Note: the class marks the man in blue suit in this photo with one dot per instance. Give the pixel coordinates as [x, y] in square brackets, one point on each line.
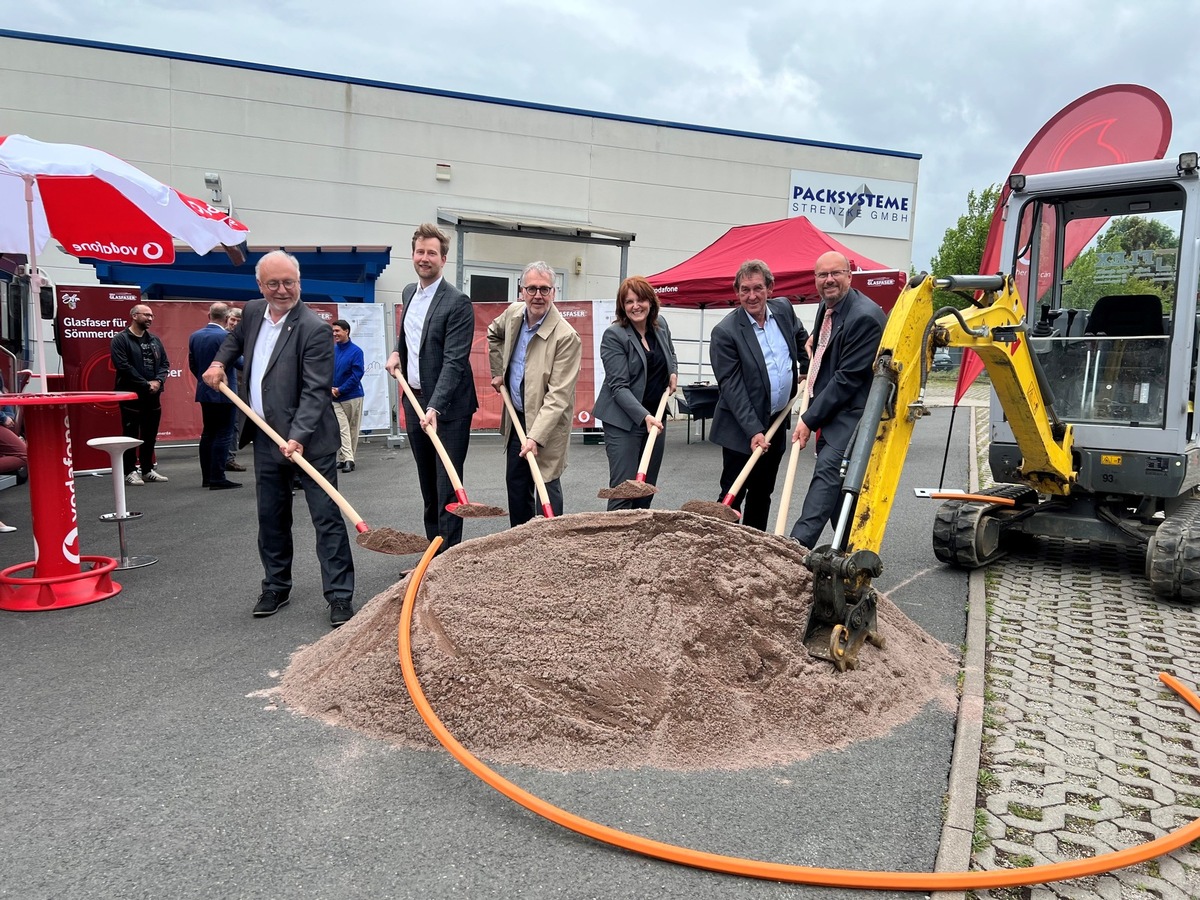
[846, 339]
[215, 408]
[757, 353]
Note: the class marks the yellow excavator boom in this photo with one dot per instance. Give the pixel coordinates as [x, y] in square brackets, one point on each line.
[843, 614]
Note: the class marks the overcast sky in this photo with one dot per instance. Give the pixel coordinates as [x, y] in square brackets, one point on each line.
[965, 84]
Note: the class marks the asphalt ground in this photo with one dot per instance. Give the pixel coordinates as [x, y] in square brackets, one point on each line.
[141, 760]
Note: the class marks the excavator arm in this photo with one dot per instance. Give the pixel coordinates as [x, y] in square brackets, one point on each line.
[844, 601]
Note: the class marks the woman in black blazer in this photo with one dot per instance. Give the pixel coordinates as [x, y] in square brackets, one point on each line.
[639, 365]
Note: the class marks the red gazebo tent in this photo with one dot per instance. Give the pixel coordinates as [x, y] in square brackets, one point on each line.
[790, 248]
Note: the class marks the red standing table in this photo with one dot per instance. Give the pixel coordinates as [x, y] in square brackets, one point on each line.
[59, 576]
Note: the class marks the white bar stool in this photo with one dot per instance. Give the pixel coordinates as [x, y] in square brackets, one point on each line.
[115, 447]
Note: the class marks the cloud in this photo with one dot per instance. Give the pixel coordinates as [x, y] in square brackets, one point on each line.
[965, 85]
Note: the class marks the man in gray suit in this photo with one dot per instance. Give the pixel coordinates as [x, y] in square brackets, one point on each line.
[433, 353]
[288, 375]
[757, 352]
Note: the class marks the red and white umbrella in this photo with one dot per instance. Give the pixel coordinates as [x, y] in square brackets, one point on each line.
[98, 206]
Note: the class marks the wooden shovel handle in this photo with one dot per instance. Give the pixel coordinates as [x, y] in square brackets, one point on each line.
[298, 458]
[793, 459]
[758, 451]
[644, 463]
[529, 457]
[431, 433]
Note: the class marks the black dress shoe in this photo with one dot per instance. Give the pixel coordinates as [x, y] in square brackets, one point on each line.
[223, 485]
[350, 465]
[340, 612]
[270, 602]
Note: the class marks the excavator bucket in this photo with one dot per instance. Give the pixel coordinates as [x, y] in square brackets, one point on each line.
[843, 614]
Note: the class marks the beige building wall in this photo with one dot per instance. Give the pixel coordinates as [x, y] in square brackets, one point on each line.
[313, 161]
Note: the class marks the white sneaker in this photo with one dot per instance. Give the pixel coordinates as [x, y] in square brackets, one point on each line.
[134, 478]
[154, 476]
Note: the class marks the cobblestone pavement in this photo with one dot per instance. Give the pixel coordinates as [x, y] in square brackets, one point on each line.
[1084, 750]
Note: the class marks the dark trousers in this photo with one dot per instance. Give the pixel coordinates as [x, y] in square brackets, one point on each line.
[234, 417]
[214, 441]
[756, 492]
[823, 497]
[436, 489]
[624, 450]
[523, 502]
[273, 476]
[139, 419]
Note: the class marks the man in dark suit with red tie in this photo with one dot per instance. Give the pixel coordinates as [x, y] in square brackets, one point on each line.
[848, 329]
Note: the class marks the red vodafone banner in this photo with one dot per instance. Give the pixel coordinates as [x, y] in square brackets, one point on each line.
[579, 316]
[89, 316]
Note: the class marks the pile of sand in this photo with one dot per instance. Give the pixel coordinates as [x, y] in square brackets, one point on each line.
[622, 639]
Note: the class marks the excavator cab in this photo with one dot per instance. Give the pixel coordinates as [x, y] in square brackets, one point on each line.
[1113, 325]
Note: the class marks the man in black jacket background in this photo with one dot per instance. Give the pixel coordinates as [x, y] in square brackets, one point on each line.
[140, 361]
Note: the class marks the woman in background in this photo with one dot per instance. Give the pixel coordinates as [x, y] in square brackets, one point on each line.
[639, 365]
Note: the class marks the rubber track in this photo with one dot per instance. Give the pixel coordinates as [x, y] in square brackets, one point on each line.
[1174, 562]
[957, 524]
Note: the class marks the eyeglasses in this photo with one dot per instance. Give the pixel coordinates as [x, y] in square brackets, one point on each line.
[287, 283]
[836, 273]
[534, 290]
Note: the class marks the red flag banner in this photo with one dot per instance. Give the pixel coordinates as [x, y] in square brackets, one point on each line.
[1120, 123]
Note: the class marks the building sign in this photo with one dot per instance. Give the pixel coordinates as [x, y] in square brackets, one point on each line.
[851, 204]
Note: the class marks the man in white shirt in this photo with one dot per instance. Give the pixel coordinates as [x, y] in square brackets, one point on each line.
[433, 353]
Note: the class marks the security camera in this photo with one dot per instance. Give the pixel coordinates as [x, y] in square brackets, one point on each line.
[212, 181]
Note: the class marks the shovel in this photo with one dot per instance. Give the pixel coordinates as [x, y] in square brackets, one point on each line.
[464, 508]
[632, 490]
[793, 460]
[529, 457]
[724, 510]
[384, 540]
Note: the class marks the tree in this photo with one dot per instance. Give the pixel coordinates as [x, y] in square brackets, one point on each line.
[962, 245]
[1125, 235]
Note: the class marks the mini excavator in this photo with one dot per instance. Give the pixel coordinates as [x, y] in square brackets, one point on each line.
[1093, 433]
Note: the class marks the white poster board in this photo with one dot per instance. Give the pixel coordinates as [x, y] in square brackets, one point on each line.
[367, 331]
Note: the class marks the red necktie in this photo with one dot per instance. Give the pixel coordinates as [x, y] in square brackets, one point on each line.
[822, 343]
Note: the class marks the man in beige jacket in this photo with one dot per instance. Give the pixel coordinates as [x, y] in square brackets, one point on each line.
[536, 354]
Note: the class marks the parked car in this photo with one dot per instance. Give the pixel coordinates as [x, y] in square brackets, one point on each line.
[941, 360]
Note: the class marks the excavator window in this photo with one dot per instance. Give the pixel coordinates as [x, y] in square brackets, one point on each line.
[1108, 269]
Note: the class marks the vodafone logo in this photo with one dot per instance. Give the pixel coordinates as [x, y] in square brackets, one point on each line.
[70, 542]
[200, 208]
[149, 252]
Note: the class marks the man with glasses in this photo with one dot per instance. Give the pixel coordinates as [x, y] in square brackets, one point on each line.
[757, 353]
[433, 353]
[140, 361]
[535, 353]
[848, 329]
[287, 377]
